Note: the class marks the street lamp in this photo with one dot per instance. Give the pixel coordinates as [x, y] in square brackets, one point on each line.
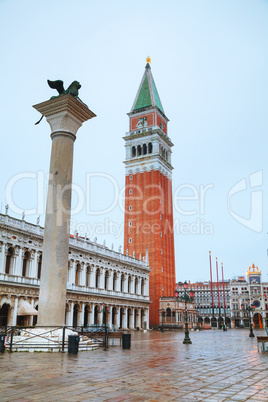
[249, 308]
[162, 312]
[187, 298]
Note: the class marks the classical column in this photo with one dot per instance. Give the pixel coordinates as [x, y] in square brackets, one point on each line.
[31, 317]
[91, 319]
[2, 257]
[16, 268]
[101, 278]
[34, 265]
[132, 284]
[92, 281]
[131, 319]
[124, 318]
[65, 114]
[80, 318]
[83, 274]
[15, 311]
[110, 317]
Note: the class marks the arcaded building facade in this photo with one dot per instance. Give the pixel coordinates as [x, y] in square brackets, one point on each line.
[97, 276]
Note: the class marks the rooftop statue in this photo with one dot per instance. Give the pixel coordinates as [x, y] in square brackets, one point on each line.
[58, 85]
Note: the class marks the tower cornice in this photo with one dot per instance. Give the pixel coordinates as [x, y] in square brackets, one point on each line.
[131, 135]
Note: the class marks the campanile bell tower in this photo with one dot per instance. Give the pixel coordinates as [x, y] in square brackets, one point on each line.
[148, 193]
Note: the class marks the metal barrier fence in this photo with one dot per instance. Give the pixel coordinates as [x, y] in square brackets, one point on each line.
[55, 338]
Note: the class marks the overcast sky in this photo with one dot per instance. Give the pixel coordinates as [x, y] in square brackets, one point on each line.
[210, 66]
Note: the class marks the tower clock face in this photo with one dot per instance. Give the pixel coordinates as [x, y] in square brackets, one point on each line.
[256, 303]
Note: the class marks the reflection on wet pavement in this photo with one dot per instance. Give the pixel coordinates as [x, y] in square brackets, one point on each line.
[218, 366]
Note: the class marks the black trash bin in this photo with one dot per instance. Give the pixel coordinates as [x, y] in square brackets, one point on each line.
[126, 341]
[2, 343]
[73, 344]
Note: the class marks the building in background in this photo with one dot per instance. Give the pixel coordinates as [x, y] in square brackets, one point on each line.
[249, 292]
[96, 276]
[203, 302]
[148, 192]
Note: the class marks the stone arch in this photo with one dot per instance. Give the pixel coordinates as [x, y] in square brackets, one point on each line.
[139, 150]
[9, 259]
[75, 314]
[144, 149]
[5, 311]
[25, 263]
[86, 313]
[39, 265]
[257, 321]
[122, 282]
[114, 280]
[106, 279]
[142, 286]
[77, 273]
[136, 285]
[129, 284]
[207, 320]
[150, 148]
[97, 278]
[88, 271]
[133, 151]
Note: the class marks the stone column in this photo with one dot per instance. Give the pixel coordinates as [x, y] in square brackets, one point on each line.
[124, 318]
[2, 257]
[101, 278]
[110, 317]
[131, 320]
[91, 320]
[16, 268]
[92, 277]
[15, 311]
[65, 114]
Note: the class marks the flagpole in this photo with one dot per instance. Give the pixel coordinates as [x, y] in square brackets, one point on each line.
[224, 306]
[219, 301]
[211, 289]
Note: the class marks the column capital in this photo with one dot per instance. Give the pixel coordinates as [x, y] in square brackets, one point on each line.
[65, 114]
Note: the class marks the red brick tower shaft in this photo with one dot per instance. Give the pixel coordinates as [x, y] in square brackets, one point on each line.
[148, 193]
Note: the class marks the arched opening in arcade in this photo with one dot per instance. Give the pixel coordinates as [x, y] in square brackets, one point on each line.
[207, 321]
[86, 313]
[95, 315]
[214, 322]
[121, 318]
[113, 317]
[4, 314]
[128, 317]
[136, 323]
[39, 266]
[75, 315]
[200, 321]
[106, 279]
[35, 316]
[142, 319]
[97, 279]
[228, 322]
[168, 314]
[257, 321]
[220, 322]
[9, 260]
[25, 264]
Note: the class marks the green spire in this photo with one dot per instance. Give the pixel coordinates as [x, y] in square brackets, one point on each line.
[147, 94]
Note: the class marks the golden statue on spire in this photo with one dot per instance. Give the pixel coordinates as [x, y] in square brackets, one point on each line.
[148, 60]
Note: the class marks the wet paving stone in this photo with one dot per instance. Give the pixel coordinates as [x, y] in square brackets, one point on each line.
[218, 366]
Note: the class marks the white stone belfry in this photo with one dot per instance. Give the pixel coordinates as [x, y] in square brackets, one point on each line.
[65, 114]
